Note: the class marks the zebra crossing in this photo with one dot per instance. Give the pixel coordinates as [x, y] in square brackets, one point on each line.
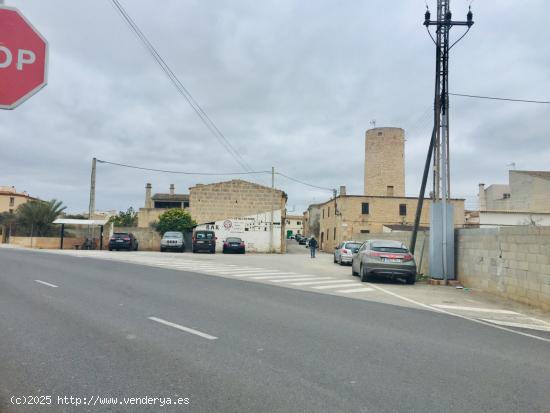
[312, 282]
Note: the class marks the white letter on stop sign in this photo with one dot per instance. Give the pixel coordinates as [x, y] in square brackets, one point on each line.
[9, 57]
[24, 57]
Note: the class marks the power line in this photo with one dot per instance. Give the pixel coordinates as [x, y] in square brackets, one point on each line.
[496, 98]
[208, 122]
[181, 172]
[304, 183]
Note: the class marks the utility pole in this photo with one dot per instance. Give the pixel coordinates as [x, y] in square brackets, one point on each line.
[441, 219]
[91, 209]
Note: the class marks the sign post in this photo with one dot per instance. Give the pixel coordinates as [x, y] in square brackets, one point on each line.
[23, 58]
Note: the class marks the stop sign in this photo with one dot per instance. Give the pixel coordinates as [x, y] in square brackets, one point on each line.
[23, 59]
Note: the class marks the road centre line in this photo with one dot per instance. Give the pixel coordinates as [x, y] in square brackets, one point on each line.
[322, 282]
[518, 325]
[476, 309]
[326, 287]
[356, 290]
[45, 283]
[442, 311]
[278, 280]
[183, 328]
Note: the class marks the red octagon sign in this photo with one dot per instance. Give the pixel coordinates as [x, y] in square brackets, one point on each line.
[23, 59]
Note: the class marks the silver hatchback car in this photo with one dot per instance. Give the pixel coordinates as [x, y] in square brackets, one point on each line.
[386, 258]
[343, 252]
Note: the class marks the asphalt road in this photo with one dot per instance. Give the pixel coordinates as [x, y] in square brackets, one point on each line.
[105, 330]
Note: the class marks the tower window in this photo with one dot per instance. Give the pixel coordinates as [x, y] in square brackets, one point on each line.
[403, 210]
[365, 208]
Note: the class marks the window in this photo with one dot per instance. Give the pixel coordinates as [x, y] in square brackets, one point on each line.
[334, 234]
[12, 201]
[365, 231]
[403, 210]
[328, 232]
[298, 222]
[11, 210]
[186, 204]
[323, 212]
[506, 196]
[328, 212]
[379, 133]
[389, 190]
[365, 208]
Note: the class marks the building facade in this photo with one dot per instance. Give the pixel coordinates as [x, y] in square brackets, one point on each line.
[385, 162]
[525, 200]
[157, 204]
[358, 217]
[10, 199]
[294, 225]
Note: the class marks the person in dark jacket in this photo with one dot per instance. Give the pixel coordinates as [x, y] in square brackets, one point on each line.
[312, 246]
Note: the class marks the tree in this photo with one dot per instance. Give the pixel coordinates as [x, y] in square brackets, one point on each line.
[125, 219]
[7, 221]
[36, 217]
[174, 220]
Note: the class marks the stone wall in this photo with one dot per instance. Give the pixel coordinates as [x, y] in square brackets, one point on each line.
[148, 239]
[510, 262]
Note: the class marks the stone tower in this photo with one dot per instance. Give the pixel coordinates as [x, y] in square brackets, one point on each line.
[385, 162]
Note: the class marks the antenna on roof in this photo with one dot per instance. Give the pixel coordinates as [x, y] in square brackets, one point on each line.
[373, 123]
[512, 165]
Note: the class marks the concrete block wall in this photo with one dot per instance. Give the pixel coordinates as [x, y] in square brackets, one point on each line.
[512, 262]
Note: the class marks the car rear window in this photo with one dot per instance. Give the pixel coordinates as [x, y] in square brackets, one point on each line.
[120, 234]
[352, 245]
[395, 250]
[204, 235]
[233, 240]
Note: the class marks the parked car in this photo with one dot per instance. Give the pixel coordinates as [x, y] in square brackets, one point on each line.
[233, 244]
[343, 252]
[204, 240]
[298, 237]
[303, 241]
[123, 241]
[172, 240]
[386, 258]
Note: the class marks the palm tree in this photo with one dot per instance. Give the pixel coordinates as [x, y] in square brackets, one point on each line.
[37, 216]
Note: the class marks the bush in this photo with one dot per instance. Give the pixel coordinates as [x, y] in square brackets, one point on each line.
[125, 219]
[174, 220]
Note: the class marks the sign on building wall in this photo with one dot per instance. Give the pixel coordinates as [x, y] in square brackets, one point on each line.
[254, 230]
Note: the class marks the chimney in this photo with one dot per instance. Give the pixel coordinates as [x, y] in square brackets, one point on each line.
[148, 201]
[482, 198]
[172, 189]
[342, 190]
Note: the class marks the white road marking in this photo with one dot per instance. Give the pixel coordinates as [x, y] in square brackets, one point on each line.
[252, 274]
[234, 271]
[278, 280]
[281, 276]
[320, 282]
[183, 328]
[474, 320]
[519, 325]
[343, 285]
[45, 283]
[476, 309]
[356, 290]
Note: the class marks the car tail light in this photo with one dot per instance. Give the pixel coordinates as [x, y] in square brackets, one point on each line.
[242, 244]
[407, 257]
[344, 251]
[193, 239]
[225, 244]
[126, 238]
[113, 238]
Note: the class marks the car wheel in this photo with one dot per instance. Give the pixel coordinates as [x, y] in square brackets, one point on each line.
[243, 251]
[364, 274]
[110, 249]
[162, 249]
[340, 261]
[411, 279]
[353, 272]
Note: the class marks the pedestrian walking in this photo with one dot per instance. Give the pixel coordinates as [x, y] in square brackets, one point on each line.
[312, 246]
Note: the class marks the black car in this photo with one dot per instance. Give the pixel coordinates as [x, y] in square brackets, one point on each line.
[204, 241]
[233, 244]
[123, 241]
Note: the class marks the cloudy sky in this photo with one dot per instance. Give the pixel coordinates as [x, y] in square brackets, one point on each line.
[292, 84]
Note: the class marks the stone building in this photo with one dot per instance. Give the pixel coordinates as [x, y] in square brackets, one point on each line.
[10, 199]
[253, 212]
[525, 200]
[158, 203]
[311, 221]
[384, 162]
[348, 217]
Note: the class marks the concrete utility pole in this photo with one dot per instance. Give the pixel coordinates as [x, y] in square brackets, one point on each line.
[91, 209]
[441, 214]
